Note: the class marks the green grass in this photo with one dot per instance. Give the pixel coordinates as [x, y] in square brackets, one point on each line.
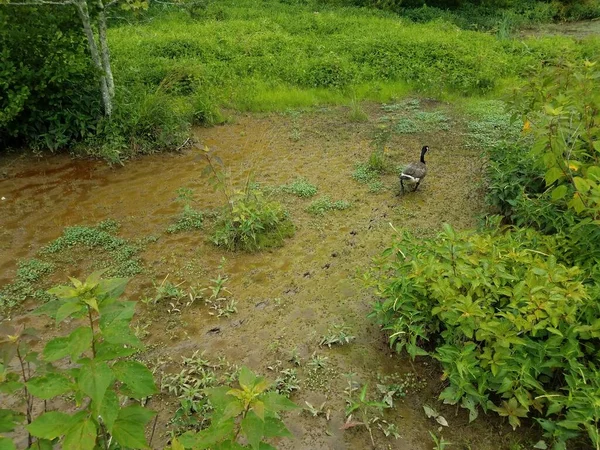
[268, 56]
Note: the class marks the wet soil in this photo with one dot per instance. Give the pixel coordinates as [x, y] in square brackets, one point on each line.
[287, 298]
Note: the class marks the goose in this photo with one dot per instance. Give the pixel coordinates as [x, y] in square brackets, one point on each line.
[415, 172]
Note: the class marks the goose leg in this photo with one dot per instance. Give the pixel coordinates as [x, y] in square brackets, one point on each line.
[417, 185]
[401, 186]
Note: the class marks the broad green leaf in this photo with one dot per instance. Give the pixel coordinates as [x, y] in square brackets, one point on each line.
[113, 287]
[68, 309]
[7, 444]
[94, 278]
[49, 386]
[218, 398]
[63, 292]
[80, 341]
[597, 146]
[92, 303]
[48, 309]
[247, 378]
[57, 348]
[553, 174]
[107, 352]
[259, 409]
[50, 425]
[176, 445]
[114, 324]
[81, 436]
[275, 428]
[593, 172]
[138, 379]
[129, 428]
[265, 446]
[576, 203]
[559, 192]
[74, 345]
[42, 444]
[109, 409]
[9, 419]
[209, 437]
[277, 402]
[253, 428]
[581, 184]
[94, 379]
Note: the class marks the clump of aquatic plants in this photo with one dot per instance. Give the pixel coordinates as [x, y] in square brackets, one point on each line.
[249, 221]
[300, 188]
[189, 219]
[324, 204]
[515, 331]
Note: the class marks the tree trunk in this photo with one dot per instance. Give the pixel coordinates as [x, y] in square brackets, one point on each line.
[104, 50]
[84, 14]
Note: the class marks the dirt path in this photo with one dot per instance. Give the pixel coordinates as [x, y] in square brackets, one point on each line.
[289, 297]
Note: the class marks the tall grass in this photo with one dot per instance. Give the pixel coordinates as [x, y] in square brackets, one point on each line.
[262, 56]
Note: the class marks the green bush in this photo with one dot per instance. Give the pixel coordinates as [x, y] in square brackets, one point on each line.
[252, 223]
[515, 331]
[49, 96]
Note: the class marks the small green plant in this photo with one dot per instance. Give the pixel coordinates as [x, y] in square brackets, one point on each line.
[315, 412]
[248, 222]
[363, 174]
[287, 382]
[88, 367]
[300, 188]
[189, 219]
[338, 334]
[440, 443]
[357, 113]
[249, 413]
[322, 205]
[368, 412]
[317, 362]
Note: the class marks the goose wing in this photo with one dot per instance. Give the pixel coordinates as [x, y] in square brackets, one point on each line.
[415, 171]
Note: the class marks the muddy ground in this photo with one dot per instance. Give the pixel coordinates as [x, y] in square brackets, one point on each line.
[287, 298]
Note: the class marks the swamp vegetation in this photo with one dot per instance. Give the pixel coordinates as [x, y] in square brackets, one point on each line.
[256, 279]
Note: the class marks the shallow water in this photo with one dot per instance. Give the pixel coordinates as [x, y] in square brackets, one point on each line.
[287, 297]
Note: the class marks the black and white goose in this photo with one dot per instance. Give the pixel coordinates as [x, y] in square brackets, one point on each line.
[415, 172]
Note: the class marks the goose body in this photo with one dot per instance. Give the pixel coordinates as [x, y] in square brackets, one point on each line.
[415, 172]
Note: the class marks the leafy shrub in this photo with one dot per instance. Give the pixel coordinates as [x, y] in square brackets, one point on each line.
[49, 96]
[249, 221]
[515, 330]
[252, 223]
[85, 369]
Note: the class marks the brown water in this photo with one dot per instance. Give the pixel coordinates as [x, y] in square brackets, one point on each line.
[287, 297]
